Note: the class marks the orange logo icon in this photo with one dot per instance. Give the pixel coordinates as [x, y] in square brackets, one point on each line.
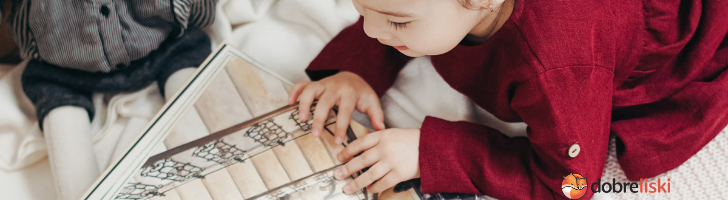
[574, 186]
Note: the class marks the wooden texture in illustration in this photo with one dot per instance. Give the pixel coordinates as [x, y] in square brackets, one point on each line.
[191, 191]
[171, 194]
[168, 195]
[247, 179]
[220, 185]
[270, 169]
[264, 93]
[237, 94]
[256, 94]
[221, 107]
[261, 91]
[315, 152]
[222, 91]
[389, 194]
[293, 161]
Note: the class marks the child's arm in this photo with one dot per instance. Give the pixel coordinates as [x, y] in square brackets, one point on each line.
[375, 64]
[568, 112]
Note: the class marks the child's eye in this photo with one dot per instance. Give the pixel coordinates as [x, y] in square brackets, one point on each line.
[398, 25]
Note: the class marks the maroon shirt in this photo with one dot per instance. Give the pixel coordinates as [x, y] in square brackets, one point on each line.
[651, 74]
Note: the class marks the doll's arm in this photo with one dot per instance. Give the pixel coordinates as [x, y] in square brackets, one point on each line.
[568, 113]
[352, 50]
[197, 13]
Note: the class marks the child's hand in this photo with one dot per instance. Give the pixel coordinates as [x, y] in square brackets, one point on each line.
[392, 153]
[345, 89]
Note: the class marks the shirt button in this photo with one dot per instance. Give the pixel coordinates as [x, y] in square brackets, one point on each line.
[105, 11]
[574, 150]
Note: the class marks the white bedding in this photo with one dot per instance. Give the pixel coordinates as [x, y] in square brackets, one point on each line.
[283, 35]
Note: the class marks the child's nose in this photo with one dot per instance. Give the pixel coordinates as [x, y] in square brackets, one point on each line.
[377, 30]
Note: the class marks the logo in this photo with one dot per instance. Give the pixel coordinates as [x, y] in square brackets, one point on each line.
[644, 186]
[574, 186]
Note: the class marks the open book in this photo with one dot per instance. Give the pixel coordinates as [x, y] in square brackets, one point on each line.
[229, 134]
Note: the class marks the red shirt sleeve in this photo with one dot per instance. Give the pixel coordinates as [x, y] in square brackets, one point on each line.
[562, 107]
[352, 50]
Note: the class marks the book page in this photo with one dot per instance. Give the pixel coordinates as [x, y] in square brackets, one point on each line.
[229, 134]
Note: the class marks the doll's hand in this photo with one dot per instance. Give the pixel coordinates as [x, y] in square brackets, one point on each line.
[393, 155]
[345, 89]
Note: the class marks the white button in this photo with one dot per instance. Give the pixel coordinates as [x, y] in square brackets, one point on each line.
[574, 150]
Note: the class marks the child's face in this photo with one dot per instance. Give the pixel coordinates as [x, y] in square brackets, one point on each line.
[418, 27]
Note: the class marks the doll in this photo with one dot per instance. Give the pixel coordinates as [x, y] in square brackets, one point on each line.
[78, 48]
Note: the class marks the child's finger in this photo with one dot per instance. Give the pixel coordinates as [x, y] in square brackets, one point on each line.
[306, 99]
[323, 106]
[374, 110]
[362, 144]
[346, 109]
[296, 90]
[384, 183]
[373, 174]
[357, 164]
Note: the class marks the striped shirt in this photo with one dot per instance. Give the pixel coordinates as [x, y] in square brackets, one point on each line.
[101, 35]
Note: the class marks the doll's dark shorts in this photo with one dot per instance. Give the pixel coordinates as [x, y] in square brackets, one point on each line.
[50, 86]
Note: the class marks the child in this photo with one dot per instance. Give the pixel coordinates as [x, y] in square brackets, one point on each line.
[77, 48]
[651, 74]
